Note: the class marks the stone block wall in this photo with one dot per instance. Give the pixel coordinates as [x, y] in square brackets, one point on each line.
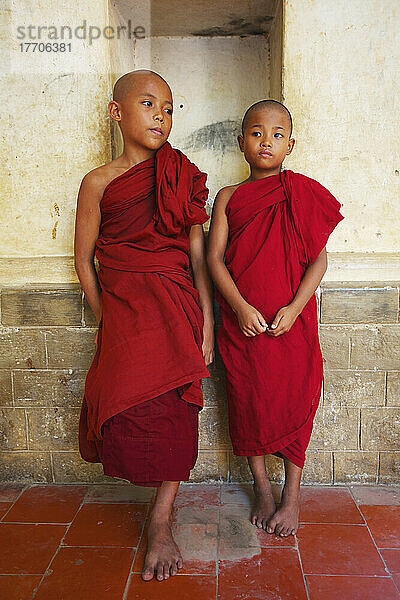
[47, 344]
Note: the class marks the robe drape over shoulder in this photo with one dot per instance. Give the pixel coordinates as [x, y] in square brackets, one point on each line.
[278, 226]
[150, 335]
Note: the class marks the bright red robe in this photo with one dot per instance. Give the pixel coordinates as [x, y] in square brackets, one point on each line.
[278, 226]
[150, 335]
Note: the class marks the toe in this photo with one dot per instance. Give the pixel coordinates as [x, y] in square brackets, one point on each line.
[179, 562]
[160, 572]
[148, 572]
[166, 570]
[271, 526]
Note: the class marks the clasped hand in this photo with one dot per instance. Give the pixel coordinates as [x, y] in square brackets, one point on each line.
[252, 323]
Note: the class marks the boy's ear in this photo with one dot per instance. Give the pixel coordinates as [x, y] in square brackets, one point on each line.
[291, 144]
[114, 110]
[240, 142]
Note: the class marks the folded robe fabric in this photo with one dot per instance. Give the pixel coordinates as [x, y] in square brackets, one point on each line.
[151, 442]
[150, 334]
[278, 226]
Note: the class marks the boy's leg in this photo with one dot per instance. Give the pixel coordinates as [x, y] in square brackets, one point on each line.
[163, 557]
[286, 519]
[264, 506]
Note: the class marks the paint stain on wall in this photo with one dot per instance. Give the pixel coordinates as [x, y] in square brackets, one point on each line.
[239, 26]
[55, 212]
[54, 231]
[217, 137]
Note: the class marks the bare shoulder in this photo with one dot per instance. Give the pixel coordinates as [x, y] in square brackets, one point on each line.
[224, 195]
[97, 179]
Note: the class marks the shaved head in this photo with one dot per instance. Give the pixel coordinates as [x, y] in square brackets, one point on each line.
[266, 105]
[125, 84]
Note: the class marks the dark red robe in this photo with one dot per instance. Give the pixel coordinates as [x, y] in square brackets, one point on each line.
[277, 228]
[150, 334]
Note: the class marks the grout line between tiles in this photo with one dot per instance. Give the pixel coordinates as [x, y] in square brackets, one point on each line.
[101, 547]
[57, 550]
[12, 388]
[218, 541]
[378, 469]
[302, 570]
[350, 575]
[46, 351]
[13, 502]
[377, 549]
[131, 572]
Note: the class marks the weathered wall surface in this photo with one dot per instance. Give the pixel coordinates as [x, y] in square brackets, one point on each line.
[47, 344]
[341, 62]
[57, 126]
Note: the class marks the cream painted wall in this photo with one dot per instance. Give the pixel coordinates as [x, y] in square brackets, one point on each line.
[276, 53]
[56, 129]
[340, 80]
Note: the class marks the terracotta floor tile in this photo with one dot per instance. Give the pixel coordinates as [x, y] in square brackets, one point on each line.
[18, 587]
[384, 523]
[338, 550]
[242, 493]
[198, 495]
[392, 559]
[107, 525]
[4, 506]
[180, 587]
[325, 587]
[268, 540]
[396, 579]
[190, 514]
[119, 493]
[198, 545]
[10, 491]
[47, 504]
[376, 494]
[238, 536]
[328, 505]
[28, 548]
[84, 573]
[269, 575]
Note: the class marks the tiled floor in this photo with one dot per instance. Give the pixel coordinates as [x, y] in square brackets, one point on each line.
[87, 542]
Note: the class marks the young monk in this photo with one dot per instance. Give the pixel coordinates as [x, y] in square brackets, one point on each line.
[277, 224]
[141, 215]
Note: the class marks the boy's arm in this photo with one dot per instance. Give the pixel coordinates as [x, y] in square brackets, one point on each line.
[86, 234]
[286, 316]
[251, 321]
[203, 284]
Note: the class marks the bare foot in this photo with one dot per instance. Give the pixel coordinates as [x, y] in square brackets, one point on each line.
[264, 506]
[163, 557]
[286, 519]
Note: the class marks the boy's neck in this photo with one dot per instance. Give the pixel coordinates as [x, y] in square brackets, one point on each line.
[262, 173]
[133, 154]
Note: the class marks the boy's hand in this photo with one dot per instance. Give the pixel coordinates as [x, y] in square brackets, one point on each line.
[208, 343]
[284, 319]
[251, 321]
